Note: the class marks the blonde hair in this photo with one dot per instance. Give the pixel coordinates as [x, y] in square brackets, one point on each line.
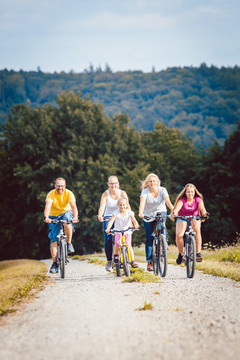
[123, 199]
[145, 182]
[112, 176]
[183, 193]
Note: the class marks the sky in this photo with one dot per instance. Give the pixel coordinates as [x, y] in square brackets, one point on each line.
[60, 35]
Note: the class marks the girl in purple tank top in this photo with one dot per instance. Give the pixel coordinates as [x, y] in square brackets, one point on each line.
[189, 202]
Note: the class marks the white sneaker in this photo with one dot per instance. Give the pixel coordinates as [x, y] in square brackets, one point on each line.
[109, 266]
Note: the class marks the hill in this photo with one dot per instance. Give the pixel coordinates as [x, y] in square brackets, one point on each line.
[202, 102]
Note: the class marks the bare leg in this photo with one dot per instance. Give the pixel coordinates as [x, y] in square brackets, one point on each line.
[68, 231]
[116, 250]
[54, 251]
[196, 225]
[180, 230]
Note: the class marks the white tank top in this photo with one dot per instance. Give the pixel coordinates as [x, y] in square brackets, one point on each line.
[111, 204]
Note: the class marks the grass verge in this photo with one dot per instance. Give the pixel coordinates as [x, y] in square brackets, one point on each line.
[140, 275]
[17, 279]
[223, 262]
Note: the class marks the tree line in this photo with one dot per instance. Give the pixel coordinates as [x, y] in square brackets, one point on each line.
[76, 140]
[202, 102]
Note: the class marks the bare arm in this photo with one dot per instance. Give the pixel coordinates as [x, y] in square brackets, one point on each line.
[168, 202]
[74, 210]
[202, 209]
[141, 206]
[134, 221]
[176, 209]
[47, 211]
[102, 206]
[110, 224]
[124, 195]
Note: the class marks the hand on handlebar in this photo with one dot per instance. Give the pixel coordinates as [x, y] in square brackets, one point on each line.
[75, 220]
[47, 220]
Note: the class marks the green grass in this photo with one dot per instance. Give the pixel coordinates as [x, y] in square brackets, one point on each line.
[17, 279]
[223, 262]
[146, 306]
[97, 261]
[140, 275]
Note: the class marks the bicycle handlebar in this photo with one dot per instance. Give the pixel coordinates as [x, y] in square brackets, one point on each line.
[113, 231]
[156, 217]
[191, 217]
[56, 221]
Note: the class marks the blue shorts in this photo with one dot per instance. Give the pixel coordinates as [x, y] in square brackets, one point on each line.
[180, 220]
[54, 229]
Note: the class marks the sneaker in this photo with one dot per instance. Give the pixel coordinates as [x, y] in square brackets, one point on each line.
[109, 266]
[134, 264]
[54, 268]
[149, 267]
[70, 248]
[199, 257]
[179, 259]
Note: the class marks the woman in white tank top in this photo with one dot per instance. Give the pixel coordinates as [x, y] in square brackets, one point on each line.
[108, 204]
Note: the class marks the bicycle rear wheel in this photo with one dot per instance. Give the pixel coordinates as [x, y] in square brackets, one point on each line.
[190, 256]
[62, 258]
[162, 255]
[126, 266]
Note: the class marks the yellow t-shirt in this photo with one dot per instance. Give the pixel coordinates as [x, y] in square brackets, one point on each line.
[60, 203]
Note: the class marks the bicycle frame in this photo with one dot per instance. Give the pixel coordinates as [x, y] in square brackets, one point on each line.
[159, 252]
[189, 239]
[124, 252]
[62, 246]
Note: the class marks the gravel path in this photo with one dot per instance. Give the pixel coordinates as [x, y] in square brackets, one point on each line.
[93, 315]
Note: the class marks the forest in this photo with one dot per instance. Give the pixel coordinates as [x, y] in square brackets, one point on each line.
[74, 138]
[202, 102]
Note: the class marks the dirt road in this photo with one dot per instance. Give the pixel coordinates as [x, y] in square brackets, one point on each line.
[93, 315]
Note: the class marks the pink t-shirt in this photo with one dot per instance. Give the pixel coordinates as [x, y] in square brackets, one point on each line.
[190, 209]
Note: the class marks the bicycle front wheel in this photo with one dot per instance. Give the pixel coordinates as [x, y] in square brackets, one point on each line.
[155, 251]
[162, 255]
[62, 258]
[190, 256]
[126, 266]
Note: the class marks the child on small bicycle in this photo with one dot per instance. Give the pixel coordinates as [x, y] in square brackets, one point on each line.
[123, 218]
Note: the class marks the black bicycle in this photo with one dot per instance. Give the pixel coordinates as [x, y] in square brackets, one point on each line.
[159, 251]
[62, 247]
[189, 238]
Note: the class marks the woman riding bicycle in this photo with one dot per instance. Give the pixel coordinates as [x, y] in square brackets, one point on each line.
[153, 199]
[123, 218]
[189, 202]
[108, 204]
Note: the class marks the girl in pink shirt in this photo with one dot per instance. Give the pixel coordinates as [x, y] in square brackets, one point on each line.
[189, 202]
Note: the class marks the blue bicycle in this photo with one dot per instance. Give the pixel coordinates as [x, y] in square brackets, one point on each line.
[159, 251]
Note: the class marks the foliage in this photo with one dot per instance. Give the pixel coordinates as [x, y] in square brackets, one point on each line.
[203, 102]
[76, 140]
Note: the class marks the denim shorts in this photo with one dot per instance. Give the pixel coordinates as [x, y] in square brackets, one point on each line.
[54, 229]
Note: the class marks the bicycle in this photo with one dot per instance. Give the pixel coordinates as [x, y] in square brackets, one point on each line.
[189, 238]
[62, 246]
[159, 251]
[124, 261]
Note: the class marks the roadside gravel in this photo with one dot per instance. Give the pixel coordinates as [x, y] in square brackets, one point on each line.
[92, 314]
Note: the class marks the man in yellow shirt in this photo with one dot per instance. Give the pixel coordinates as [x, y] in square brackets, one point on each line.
[60, 204]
